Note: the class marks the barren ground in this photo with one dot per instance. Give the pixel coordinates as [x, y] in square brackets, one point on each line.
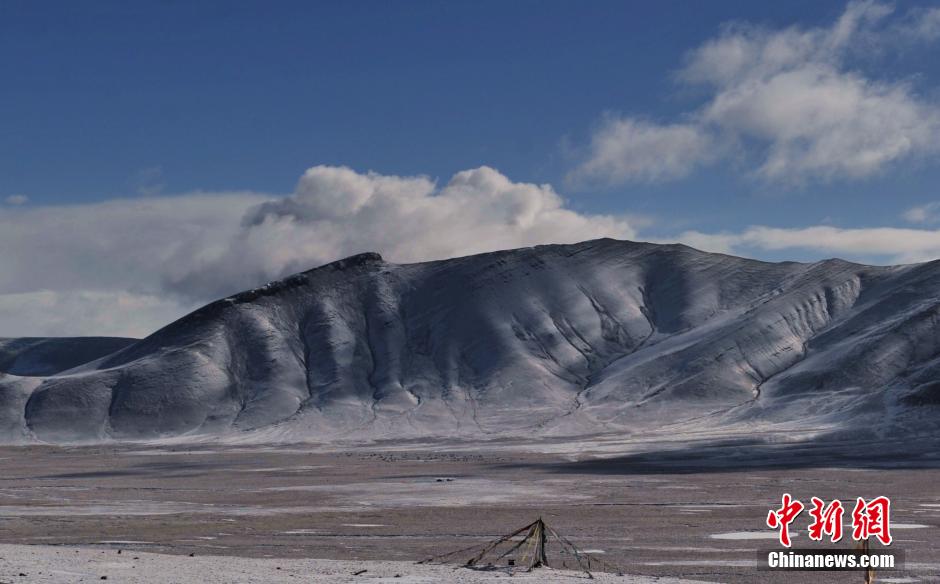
[291, 502]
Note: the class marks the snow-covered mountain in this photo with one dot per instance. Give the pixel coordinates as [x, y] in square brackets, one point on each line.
[563, 340]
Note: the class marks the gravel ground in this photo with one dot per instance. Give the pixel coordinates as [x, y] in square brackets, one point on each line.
[61, 564]
[292, 504]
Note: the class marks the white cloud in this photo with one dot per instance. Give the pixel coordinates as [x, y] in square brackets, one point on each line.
[627, 149]
[817, 122]
[927, 213]
[122, 244]
[895, 245]
[16, 200]
[921, 24]
[128, 266]
[336, 212]
[789, 98]
[101, 268]
[86, 312]
[125, 266]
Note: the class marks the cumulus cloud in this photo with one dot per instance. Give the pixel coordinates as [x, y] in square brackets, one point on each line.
[16, 200]
[335, 212]
[788, 98]
[124, 266]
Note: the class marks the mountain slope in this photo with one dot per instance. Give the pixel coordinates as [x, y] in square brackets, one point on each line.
[602, 336]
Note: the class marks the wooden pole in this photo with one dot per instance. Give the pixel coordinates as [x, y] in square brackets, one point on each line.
[869, 572]
[543, 561]
[486, 550]
[539, 535]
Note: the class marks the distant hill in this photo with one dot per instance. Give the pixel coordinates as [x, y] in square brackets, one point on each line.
[38, 356]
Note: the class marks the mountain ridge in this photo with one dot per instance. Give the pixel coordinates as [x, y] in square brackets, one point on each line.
[556, 340]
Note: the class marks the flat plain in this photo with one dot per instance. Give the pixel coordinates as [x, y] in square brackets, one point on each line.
[298, 502]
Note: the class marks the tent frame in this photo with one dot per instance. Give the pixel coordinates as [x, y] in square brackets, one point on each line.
[535, 538]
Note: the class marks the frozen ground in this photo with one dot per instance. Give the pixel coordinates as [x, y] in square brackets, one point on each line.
[289, 506]
[47, 564]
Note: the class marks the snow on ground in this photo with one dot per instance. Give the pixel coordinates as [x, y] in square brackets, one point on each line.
[61, 564]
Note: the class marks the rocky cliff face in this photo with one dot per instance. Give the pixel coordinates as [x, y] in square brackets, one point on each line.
[566, 340]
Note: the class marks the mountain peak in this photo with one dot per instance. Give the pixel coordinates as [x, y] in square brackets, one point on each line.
[359, 259]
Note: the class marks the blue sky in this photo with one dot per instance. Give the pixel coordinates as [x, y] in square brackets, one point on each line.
[785, 130]
[236, 95]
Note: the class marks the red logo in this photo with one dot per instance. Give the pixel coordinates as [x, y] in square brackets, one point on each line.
[826, 520]
[869, 519]
[783, 517]
[872, 519]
